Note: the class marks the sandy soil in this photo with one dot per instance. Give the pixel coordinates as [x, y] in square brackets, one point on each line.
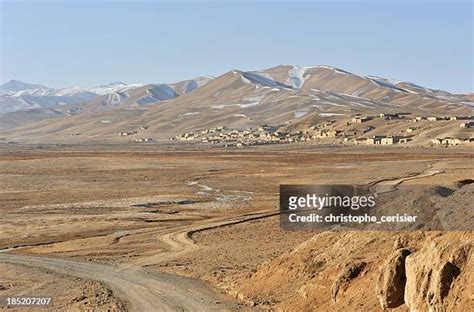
[75, 294]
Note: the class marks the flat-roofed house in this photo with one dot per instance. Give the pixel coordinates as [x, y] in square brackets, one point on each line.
[469, 124]
[360, 119]
[390, 140]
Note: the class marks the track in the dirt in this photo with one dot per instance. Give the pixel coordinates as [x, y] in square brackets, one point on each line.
[145, 291]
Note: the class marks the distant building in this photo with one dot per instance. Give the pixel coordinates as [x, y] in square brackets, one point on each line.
[360, 119]
[371, 141]
[469, 124]
[375, 140]
[390, 140]
[387, 141]
[449, 141]
[390, 116]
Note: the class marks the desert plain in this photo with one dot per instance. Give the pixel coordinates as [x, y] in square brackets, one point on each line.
[152, 228]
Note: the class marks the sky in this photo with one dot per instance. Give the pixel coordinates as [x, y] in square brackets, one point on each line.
[88, 43]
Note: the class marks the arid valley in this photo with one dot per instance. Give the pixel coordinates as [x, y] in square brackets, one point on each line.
[195, 156]
[198, 229]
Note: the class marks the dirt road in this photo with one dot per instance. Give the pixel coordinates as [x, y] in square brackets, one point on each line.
[180, 242]
[144, 290]
[388, 185]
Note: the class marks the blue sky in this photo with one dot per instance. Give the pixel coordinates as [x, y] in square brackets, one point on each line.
[86, 43]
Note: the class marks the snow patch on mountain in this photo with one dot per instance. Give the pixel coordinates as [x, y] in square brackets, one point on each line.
[190, 114]
[195, 83]
[330, 114]
[114, 98]
[34, 92]
[297, 76]
[387, 83]
[115, 87]
[75, 91]
[259, 80]
[186, 86]
[241, 105]
[300, 113]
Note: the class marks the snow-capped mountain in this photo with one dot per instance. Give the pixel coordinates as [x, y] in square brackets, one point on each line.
[17, 95]
[16, 85]
[40, 97]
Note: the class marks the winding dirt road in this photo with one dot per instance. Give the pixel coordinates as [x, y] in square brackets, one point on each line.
[180, 241]
[388, 185]
[145, 291]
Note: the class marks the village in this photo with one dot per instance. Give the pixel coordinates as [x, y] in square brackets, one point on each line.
[136, 131]
[349, 132]
[247, 137]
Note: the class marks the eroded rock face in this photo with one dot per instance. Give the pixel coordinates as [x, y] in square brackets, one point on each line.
[348, 272]
[432, 272]
[390, 286]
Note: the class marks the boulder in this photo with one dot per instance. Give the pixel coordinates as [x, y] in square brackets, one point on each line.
[432, 273]
[390, 286]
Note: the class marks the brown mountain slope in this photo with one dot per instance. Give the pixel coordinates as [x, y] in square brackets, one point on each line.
[237, 99]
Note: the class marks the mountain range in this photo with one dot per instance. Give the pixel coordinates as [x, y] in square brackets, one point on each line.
[17, 95]
[278, 95]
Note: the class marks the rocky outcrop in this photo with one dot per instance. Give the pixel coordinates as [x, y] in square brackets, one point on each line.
[317, 276]
[431, 273]
[390, 286]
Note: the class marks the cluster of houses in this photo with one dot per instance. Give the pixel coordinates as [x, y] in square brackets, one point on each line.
[442, 118]
[135, 131]
[393, 139]
[386, 116]
[273, 134]
[270, 135]
[132, 132]
[253, 136]
[383, 140]
[449, 141]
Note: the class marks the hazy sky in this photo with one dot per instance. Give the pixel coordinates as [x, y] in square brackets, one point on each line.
[86, 43]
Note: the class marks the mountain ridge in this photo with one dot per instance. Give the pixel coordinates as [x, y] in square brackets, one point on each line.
[280, 95]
